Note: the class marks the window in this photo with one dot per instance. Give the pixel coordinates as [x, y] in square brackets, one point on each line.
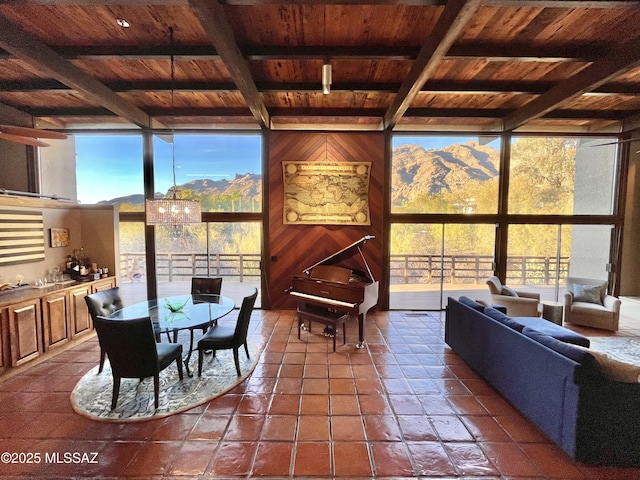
[223, 172]
[448, 175]
[109, 169]
[561, 176]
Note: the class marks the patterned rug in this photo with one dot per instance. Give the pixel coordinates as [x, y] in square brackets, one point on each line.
[624, 349]
[91, 397]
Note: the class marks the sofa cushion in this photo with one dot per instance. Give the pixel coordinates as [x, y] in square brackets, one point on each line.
[502, 318]
[471, 303]
[575, 353]
[555, 331]
[587, 294]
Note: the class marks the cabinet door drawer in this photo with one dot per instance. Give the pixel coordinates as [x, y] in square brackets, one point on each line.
[80, 318]
[55, 319]
[25, 327]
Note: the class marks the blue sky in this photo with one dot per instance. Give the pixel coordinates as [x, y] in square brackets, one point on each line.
[434, 142]
[109, 166]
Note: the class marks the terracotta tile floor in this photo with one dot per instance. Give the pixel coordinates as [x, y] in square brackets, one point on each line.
[406, 406]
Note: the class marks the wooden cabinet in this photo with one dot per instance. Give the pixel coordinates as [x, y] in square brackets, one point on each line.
[80, 319]
[103, 284]
[55, 319]
[25, 331]
[36, 324]
[5, 359]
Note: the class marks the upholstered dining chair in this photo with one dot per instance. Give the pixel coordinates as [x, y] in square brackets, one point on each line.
[220, 337]
[133, 352]
[205, 286]
[586, 303]
[519, 303]
[103, 303]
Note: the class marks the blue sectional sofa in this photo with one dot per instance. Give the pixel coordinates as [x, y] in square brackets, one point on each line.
[560, 387]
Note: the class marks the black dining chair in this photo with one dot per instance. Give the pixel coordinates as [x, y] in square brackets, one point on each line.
[220, 337]
[103, 304]
[205, 286]
[133, 352]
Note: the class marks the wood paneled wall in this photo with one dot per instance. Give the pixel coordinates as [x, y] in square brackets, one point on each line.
[292, 248]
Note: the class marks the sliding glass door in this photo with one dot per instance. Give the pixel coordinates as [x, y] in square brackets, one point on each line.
[430, 262]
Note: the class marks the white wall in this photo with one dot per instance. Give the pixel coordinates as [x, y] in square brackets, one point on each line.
[58, 169]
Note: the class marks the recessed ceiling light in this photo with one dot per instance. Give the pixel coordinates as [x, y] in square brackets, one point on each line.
[122, 23]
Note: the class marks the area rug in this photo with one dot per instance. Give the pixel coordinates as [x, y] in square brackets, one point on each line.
[91, 397]
[624, 349]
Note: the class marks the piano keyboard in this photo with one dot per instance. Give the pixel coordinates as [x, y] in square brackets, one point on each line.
[329, 301]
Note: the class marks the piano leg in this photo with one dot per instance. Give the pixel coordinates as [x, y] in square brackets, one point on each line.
[361, 319]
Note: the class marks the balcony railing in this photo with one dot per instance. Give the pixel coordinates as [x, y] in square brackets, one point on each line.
[405, 269]
[474, 269]
[175, 267]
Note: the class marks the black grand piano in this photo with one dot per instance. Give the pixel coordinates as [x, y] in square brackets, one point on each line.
[338, 284]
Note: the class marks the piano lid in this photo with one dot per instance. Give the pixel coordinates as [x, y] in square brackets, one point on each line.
[344, 254]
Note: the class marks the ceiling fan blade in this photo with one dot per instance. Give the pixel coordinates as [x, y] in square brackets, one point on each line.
[31, 132]
[34, 142]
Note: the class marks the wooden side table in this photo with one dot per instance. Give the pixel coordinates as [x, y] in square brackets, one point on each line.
[552, 311]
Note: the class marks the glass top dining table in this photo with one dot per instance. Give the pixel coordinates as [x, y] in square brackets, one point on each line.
[196, 312]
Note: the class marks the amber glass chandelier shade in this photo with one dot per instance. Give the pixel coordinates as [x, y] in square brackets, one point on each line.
[172, 211]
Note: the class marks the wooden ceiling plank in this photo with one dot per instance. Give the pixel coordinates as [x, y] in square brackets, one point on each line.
[214, 20]
[454, 17]
[499, 3]
[24, 46]
[598, 73]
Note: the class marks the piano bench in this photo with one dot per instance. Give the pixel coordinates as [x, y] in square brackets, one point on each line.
[315, 314]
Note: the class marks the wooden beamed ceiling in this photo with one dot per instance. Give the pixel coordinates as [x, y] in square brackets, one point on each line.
[476, 65]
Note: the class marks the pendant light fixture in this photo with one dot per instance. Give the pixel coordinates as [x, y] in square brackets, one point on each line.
[172, 210]
[326, 78]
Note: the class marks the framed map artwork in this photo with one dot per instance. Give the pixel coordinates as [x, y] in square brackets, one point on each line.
[326, 193]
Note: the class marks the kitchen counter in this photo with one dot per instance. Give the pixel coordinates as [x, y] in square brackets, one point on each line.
[27, 292]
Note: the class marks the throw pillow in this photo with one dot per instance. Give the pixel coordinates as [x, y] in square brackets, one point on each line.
[510, 292]
[587, 294]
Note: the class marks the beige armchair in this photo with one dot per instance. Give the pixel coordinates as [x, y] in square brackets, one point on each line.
[586, 303]
[519, 303]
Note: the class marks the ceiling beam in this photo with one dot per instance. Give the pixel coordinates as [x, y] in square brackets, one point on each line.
[448, 87]
[24, 46]
[619, 61]
[618, 115]
[495, 3]
[214, 20]
[452, 20]
[489, 52]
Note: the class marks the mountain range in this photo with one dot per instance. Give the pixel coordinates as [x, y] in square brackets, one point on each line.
[415, 171]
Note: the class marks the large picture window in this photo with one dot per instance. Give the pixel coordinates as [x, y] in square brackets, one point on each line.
[448, 175]
[223, 172]
[109, 169]
[561, 176]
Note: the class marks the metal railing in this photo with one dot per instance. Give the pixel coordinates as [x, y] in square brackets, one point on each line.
[404, 269]
[474, 269]
[172, 267]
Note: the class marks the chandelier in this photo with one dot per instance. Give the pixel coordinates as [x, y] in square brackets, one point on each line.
[172, 210]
